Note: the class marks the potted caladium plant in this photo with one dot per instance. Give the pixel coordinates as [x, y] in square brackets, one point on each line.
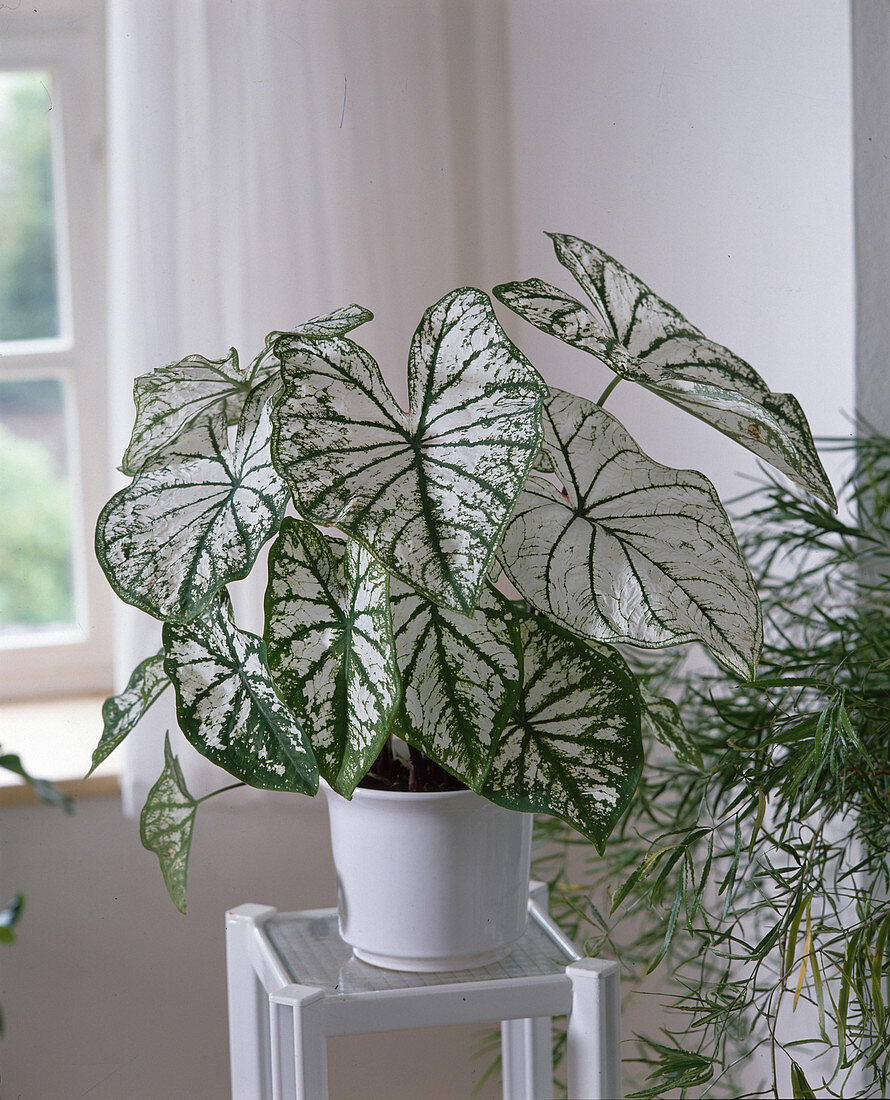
[396, 652]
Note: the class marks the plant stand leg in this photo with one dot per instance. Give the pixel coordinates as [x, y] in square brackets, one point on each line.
[248, 1008]
[299, 1044]
[527, 1059]
[593, 1053]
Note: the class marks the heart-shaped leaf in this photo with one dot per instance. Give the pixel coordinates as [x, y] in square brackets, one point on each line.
[460, 676]
[645, 339]
[227, 707]
[122, 713]
[430, 492]
[631, 550]
[171, 400]
[182, 530]
[572, 747]
[166, 825]
[330, 644]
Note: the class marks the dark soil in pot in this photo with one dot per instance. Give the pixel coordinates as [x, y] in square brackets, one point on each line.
[418, 775]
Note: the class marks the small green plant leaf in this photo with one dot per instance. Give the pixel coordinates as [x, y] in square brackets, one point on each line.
[572, 747]
[166, 825]
[121, 713]
[181, 531]
[646, 340]
[44, 790]
[461, 679]
[662, 719]
[800, 1086]
[429, 492]
[331, 650]
[9, 917]
[227, 707]
[630, 551]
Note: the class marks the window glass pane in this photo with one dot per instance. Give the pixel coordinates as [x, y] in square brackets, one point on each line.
[29, 307]
[37, 586]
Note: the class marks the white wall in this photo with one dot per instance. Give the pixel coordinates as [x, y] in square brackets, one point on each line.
[707, 146]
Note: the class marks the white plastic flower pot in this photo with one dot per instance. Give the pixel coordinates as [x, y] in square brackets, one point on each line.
[429, 881]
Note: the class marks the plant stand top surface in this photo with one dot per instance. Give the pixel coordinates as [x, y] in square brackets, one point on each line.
[309, 947]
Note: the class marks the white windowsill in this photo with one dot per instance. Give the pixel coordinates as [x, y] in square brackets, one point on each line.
[55, 739]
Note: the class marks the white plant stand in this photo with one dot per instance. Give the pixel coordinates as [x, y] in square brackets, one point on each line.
[292, 982]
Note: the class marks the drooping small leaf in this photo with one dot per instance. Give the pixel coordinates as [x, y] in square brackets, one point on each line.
[166, 825]
[662, 718]
[572, 747]
[331, 650]
[9, 917]
[428, 492]
[44, 790]
[631, 551]
[122, 713]
[461, 679]
[800, 1086]
[180, 531]
[646, 340]
[227, 707]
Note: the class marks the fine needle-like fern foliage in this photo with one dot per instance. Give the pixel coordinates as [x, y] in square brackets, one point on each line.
[751, 867]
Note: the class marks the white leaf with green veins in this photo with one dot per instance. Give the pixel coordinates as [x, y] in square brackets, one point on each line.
[460, 677]
[227, 706]
[337, 323]
[181, 531]
[330, 645]
[121, 713]
[572, 747]
[646, 340]
[429, 492]
[633, 551]
[172, 400]
[166, 825]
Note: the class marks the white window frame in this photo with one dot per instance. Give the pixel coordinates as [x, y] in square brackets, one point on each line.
[69, 44]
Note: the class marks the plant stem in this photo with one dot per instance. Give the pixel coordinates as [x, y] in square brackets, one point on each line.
[604, 395]
[221, 790]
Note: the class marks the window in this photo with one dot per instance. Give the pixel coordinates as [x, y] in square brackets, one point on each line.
[54, 607]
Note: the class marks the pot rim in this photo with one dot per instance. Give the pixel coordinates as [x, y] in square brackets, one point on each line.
[417, 796]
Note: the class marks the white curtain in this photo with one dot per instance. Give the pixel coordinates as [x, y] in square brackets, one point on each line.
[271, 160]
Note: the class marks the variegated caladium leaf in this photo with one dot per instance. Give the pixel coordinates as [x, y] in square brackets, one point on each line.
[172, 400]
[572, 747]
[460, 676]
[337, 323]
[663, 721]
[166, 825]
[429, 492]
[630, 551]
[122, 713]
[331, 651]
[182, 530]
[646, 340]
[227, 707]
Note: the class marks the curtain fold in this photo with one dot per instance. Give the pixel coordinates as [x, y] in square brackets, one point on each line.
[271, 160]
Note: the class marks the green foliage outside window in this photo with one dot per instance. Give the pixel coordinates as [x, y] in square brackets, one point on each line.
[28, 296]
